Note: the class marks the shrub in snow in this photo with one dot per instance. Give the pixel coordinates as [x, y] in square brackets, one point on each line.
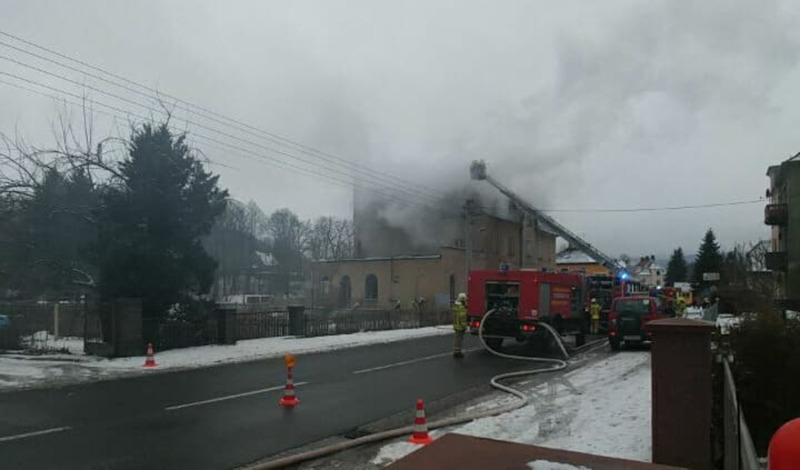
[766, 371]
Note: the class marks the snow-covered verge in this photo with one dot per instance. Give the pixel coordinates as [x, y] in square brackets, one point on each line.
[601, 409]
[42, 341]
[21, 371]
[547, 465]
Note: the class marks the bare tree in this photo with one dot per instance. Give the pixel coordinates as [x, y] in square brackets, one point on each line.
[331, 238]
[49, 202]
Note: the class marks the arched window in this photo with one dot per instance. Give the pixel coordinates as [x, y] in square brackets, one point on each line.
[371, 287]
[452, 288]
[344, 292]
[325, 285]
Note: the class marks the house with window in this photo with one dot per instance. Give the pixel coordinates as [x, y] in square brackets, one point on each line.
[421, 260]
[576, 261]
[649, 272]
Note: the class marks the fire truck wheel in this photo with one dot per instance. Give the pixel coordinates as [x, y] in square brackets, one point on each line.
[494, 343]
[615, 344]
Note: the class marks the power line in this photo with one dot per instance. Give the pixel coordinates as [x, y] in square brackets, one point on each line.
[260, 158]
[660, 209]
[390, 179]
[396, 184]
[409, 193]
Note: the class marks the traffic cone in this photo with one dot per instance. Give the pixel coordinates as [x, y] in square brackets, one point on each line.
[151, 358]
[420, 434]
[288, 400]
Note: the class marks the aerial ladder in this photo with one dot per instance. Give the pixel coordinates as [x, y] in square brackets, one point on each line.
[478, 172]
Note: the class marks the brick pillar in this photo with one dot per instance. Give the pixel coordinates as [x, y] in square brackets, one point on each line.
[227, 331]
[296, 320]
[681, 392]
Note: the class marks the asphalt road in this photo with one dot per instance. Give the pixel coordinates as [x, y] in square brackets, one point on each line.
[225, 416]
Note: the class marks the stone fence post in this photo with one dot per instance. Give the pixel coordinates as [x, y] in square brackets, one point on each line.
[296, 320]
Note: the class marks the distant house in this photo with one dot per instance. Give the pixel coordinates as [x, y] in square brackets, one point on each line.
[648, 272]
[756, 257]
[576, 261]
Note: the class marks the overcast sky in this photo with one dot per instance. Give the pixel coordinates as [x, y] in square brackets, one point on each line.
[574, 104]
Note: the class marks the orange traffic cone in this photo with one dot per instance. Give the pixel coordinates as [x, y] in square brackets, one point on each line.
[289, 400]
[420, 434]
[151, 358]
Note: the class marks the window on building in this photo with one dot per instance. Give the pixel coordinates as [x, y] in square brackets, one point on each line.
[325, 285]
[452, 288]
[512, 242]
[371, 287]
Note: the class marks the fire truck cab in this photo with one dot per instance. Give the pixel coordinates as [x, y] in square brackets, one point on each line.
[523, 298]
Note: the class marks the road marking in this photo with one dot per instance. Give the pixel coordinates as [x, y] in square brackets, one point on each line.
[230, 397]
[34, 434]
[410, 361]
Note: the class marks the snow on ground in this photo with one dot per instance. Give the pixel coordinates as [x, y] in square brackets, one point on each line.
[547, 465]
[694, 313]
[601, 409]
[20, 371]
[44, 341]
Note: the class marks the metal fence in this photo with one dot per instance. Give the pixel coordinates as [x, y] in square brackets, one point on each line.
[32, 324]
[172, 333]
[337, 323]
[102, 325]
[252, 324]
[739, 450]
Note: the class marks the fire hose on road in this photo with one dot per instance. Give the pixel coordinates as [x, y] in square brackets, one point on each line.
[552, 366]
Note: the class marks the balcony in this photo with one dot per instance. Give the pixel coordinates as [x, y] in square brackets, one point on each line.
[776, 260]
[776, 214]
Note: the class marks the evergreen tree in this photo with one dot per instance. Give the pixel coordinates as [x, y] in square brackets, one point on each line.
[50, 233]
[152, 222]
[677, 271]
[708, 260]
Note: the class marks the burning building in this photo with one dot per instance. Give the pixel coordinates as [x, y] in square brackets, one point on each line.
[411, 256]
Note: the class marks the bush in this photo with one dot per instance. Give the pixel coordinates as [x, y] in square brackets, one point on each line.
[766, 369]
[10, 337]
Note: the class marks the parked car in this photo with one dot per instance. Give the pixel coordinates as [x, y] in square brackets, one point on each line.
[627, 319]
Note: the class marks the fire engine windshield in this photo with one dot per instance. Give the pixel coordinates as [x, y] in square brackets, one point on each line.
[633, 306]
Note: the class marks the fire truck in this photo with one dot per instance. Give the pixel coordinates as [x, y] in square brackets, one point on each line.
[521, 299]
[605, 288]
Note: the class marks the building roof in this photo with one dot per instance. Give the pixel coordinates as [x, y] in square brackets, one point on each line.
[574, 256]
[380, 258]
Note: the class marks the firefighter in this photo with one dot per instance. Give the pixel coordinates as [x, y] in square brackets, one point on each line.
[459, 323]
[594, 310]
[680, 307]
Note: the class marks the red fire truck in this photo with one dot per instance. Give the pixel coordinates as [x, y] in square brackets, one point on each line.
[522, 299]
[605, 288]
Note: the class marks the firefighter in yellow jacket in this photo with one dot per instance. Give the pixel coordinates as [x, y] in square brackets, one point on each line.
[680, 307]
[594, 311]
[459, 323]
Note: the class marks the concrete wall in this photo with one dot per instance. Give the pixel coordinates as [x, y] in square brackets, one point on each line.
[419, 231]
[399, 279]
[785, 189]
[792, 229]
